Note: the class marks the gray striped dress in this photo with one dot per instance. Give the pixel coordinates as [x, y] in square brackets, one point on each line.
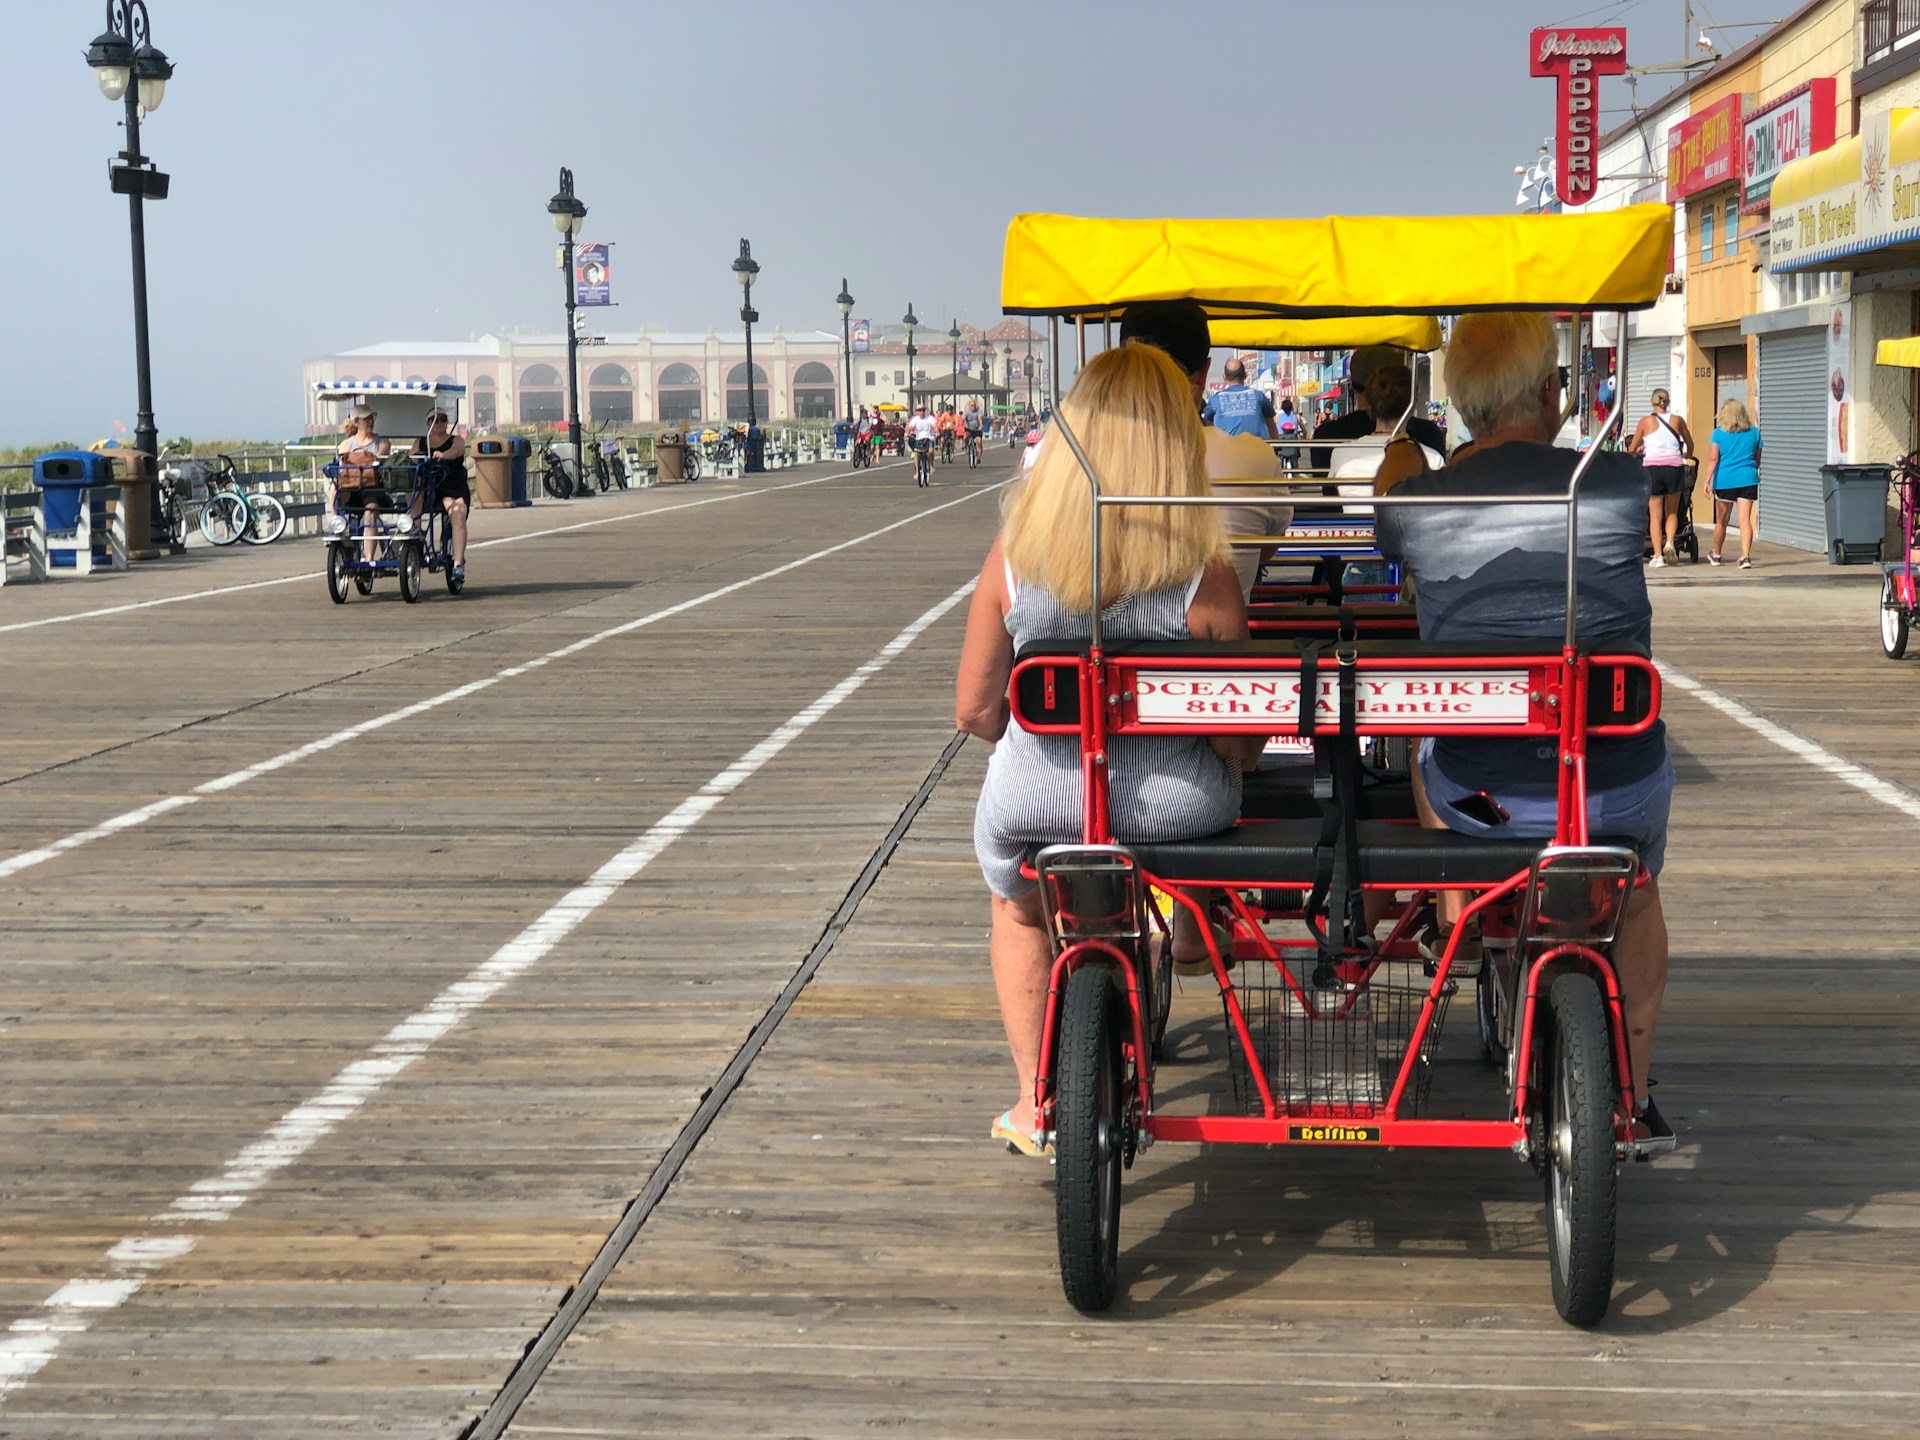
[1161, 787]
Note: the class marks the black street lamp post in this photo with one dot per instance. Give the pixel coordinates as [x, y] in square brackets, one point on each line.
[744, 269]
[127, 66]
[845, 301]
[1006, 371]
[954, 336]
[567, 213]
[986, 378]
[1030, 369]
[912, 322]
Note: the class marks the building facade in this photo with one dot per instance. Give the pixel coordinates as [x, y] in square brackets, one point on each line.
[1008, 355]
[645, 378]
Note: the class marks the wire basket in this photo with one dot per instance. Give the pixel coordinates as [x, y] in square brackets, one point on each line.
[1336, 1055]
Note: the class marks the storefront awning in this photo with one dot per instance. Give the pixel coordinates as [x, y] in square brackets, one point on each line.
[1855, 205]
[1904, 353]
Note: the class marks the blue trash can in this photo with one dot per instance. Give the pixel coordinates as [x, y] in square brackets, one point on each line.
[843, 438]
[61, 475]
[756, 456]
[520, 448]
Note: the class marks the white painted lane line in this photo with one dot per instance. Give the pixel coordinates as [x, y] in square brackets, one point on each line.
[1894, 796]
[476, 545]
[27, 859]
[33, 1340]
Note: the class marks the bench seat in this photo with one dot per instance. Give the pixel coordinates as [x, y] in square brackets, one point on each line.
[1280, 853]
[1286, 793]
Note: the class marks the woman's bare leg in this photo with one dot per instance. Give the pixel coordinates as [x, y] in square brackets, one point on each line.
[457, 515]
[1653, 521]
[1670, 504]
[1640, 960]
[1722, 509]
[1748, 524]
[1022, 958]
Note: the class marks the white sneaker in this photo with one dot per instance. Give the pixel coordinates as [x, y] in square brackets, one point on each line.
[1657, 563]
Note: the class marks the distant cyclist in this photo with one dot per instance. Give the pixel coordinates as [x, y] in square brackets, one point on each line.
[922, 431]
[976, 426]
[948, 426]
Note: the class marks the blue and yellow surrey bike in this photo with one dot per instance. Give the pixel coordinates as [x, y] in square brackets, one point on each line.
[398, 508]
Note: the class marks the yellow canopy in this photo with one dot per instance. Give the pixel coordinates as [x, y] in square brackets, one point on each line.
[1409, 332]
[1904, 353]
[1340, 265]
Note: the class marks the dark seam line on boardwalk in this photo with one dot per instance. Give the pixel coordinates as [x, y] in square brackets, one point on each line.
[573, 1307]
[612, 589]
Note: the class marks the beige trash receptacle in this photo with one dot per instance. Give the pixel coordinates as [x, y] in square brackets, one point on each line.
[493, 475]
[670, 457]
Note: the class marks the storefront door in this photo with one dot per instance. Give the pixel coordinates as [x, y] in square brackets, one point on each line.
[1793, 422]
[1729, 375]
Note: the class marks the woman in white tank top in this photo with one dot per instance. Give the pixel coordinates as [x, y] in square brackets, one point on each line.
[1664, 445]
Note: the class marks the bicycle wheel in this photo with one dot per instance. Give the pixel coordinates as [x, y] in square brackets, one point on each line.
[223, 518]
[1090, 1118]
[1893, 620]
[176, 514]
[268, 522]
[690, 466]
[410, 573]
[1581, 1180]
[337, 573]
[553, 480]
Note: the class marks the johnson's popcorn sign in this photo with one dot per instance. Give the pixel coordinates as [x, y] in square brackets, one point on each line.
[1576, 59]
[1430, 698]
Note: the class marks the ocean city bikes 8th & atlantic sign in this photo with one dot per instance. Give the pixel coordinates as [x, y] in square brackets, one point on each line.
[1576, 59]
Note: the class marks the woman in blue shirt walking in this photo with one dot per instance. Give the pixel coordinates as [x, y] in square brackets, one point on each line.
[1733, 470]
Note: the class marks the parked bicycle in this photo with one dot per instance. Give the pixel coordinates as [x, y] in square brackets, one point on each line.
[559, 478]
[176, 490]
[231, 514]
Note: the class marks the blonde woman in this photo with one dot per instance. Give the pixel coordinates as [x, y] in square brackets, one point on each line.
[1164, 575]
[1733, 473]
[1664, 445]
[360, 455]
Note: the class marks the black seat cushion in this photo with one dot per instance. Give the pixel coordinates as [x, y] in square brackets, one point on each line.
[1280, 852]
[1286, 793]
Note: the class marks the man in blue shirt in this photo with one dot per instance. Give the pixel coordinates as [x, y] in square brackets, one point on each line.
[1238, 410]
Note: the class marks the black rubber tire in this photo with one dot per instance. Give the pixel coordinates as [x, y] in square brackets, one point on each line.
[1837, 553]
[1088, 1140]
[1689, 546]
[1581, 1175]
[337, 573]
[553, 480]
[363, 583]
[177, 525]
[1492, 1050]
[1893, 621]
[410, 573]
[690, 466]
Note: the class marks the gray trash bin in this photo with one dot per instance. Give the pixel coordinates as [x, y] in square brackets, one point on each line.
[670, 457]
[1856, 502]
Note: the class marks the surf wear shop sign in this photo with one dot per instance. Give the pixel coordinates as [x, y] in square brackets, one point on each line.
[1575, 60]
[1428, 698]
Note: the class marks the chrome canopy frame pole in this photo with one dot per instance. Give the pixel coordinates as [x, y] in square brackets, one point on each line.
[1053, 364]
[1573, 498]
[1093, 484]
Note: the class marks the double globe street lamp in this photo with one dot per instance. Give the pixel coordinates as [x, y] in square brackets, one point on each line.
[954, 336]
[128, 68]
[567, 212]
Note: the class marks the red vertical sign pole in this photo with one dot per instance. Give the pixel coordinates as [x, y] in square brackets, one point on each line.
[1576, 59]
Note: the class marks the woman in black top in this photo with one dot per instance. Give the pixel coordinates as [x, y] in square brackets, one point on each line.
[448, 476]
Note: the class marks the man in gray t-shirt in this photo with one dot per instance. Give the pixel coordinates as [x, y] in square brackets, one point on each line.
[1498, 573]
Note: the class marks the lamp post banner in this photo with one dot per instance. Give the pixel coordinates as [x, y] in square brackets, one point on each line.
[1575, 60]
[862, 336]
[592, 276]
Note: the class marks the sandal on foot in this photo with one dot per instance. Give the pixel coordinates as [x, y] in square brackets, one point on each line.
[1650, 1124]
[1433, 941]
[1202, 964]
[1021, 1142]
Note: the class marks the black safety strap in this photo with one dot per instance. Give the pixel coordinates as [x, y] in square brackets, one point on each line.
[1336, 786]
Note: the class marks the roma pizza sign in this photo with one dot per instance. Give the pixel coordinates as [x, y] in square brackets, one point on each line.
[1576, 59]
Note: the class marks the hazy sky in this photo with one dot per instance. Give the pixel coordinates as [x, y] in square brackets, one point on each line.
[347, 173]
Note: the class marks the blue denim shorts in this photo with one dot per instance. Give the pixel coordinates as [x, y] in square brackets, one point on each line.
[1636, 812]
